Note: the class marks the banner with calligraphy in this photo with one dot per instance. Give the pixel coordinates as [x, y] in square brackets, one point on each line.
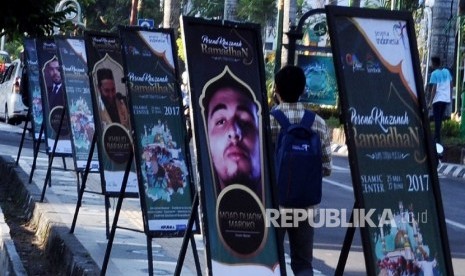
[393, 161]
[161, 146]
[33, 85]
[111, 112]
[53, 97]
[228, 99]
[73, 60]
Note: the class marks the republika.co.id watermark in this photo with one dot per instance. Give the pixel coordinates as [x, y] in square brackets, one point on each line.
[292, 217]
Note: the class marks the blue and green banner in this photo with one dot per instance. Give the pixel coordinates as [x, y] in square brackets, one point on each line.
[33, 85]
[111, 111]
[321, 85]
[161, 142]
[393, 161]
[230, 117]
[73, 60]
[53, 97]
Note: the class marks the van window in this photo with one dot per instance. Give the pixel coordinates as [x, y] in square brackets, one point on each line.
[9, 72]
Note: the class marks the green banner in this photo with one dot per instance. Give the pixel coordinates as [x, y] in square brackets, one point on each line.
[161, 147]
[392, 159]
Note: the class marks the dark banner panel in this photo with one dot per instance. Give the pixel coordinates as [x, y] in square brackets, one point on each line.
[33, 85]
[393, 162]
[160, 133]
[73, 60]
[112, 121]
[230, 115]
[53, 96]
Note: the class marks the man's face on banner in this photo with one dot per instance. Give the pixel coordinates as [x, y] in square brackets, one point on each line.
[234, 137]
[53, 70]
[108, 90]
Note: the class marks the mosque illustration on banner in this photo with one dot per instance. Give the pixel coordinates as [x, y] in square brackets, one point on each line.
[165, 170]
[399, 246]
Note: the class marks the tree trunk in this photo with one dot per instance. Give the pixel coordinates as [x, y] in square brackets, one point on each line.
[230, 10]
[171, 13]
[443, 31]
[289, 19]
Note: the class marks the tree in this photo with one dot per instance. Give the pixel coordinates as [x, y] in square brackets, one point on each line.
[171, 13]
[209, 9]
[230, 9]
[31, 17]
[106, 15]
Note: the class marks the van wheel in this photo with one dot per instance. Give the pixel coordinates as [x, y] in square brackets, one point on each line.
[7, 117]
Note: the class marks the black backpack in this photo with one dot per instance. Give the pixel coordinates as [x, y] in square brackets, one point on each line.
[298, 162]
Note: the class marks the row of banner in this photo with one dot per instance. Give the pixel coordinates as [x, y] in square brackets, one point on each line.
[123, 88]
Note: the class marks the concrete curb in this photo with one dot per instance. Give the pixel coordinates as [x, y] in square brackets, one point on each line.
[61, 247]
[10, 262]
[452, 170]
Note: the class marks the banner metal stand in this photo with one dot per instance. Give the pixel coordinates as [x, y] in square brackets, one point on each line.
[52, 155]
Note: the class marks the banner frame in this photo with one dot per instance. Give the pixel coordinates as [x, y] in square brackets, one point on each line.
[397, 16]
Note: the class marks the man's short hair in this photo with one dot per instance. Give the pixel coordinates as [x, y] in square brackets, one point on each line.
[436, 61]
[104, 74]
[290, 83]
[225, 81]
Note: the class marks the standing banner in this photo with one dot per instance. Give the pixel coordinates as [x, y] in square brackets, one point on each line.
[161, 147]
[53, 97]
[321, 86]
[33, 85]
[112, 120]
[393, 161]
[232, 148]
[73, 60]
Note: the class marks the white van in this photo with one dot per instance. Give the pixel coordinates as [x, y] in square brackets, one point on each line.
[12, 108]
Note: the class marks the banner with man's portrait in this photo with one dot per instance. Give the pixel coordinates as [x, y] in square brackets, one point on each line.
[161, 146]
[33, 85]
[112, 121]
[53, 97]
[73, 60]
[229, 116]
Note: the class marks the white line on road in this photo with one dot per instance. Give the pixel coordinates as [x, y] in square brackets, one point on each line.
[339, 168]
[346, 187]
[456, 224]
[340, 185]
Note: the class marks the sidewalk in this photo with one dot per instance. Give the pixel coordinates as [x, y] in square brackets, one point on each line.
[83, 251]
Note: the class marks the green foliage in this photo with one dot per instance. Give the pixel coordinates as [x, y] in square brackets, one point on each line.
[14, 48]
[209, 9]
[151, 9]
[450, 133]
[333, 122]
[31, 17]
[106, 15]
[257, 11]
[451, 128]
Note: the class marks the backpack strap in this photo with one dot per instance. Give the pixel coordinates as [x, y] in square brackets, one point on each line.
[281, 118]
[308, 119]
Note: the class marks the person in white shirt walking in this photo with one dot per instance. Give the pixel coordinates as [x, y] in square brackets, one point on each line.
[441, 91]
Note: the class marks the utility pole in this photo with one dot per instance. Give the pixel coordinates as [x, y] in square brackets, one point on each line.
[133, 18]
[459, 87]
[458, 83]
[279, 37]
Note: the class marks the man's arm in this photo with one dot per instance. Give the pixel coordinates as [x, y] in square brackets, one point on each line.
[433, 94]
[321, 127]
